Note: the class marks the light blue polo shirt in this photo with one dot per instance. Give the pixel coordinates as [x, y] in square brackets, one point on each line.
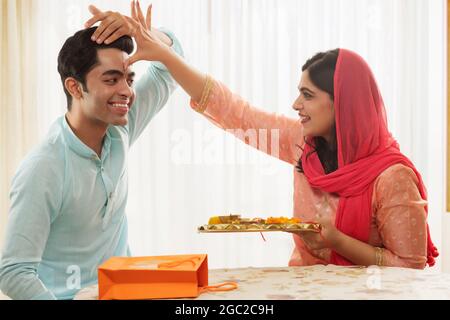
[67, 213]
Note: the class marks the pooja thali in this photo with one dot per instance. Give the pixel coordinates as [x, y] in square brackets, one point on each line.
[234, 223]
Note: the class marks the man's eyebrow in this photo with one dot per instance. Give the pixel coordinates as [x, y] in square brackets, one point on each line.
[113, 73]
[132, 74]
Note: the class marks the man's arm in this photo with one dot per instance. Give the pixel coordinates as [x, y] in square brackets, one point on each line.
[35, 199]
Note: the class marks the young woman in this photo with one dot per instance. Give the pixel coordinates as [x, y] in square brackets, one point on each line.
[349, 174]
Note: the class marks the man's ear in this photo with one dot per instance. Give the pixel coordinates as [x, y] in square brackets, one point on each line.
[74, 88]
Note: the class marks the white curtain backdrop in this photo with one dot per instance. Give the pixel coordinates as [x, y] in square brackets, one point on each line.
[17, 97]
[184, 170]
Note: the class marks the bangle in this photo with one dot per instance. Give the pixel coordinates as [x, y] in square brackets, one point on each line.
[205, 95]
[378, 256]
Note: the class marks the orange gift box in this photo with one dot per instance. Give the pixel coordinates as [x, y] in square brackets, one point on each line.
[158, 277]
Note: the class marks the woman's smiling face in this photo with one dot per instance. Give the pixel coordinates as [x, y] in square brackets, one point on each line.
[315, 108]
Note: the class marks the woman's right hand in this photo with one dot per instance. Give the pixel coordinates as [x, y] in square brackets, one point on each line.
[152, 44]
[149, 45]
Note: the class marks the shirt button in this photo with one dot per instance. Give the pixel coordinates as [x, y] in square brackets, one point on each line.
[103, 169]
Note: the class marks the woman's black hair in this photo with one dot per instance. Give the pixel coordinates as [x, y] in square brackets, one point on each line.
[321, 68]
[78, 56]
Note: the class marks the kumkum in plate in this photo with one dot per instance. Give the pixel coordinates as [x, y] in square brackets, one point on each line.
[234, 223]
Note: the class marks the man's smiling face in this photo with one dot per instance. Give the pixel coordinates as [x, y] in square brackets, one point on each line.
[110, 93]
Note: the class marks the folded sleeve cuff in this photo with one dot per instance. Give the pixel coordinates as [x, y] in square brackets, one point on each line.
[176, 46]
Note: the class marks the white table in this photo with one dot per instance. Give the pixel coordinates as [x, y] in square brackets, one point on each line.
[322, 282]
[3, 297]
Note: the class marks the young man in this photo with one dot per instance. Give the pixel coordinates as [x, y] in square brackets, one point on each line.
[68, 196]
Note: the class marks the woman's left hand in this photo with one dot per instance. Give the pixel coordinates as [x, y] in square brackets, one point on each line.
[113, 25]
[327, 238]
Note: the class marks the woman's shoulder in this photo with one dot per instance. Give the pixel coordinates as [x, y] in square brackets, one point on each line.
[395, 174]
[395, 185]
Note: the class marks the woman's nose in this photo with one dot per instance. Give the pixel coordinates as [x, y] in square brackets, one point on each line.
[298, 105]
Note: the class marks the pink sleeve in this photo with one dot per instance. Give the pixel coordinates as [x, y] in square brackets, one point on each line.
[401, 218]
[274, 134]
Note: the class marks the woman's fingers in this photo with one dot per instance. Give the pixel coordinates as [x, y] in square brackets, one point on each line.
[116, 35]
[134, 26]
[149, 17]
[133, 10]
[131, 60]
[310, 239]
[111, 30]
[94, 19]
[128, 29]
[106, 23]
[94, 10]
[140, 15]
[113, 25]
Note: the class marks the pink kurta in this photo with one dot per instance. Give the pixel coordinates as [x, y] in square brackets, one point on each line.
[398, 211]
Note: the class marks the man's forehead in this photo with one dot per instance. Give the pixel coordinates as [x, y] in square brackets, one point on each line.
[112, 59]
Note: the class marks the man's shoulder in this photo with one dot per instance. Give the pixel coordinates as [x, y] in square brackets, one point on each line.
[48, 156]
